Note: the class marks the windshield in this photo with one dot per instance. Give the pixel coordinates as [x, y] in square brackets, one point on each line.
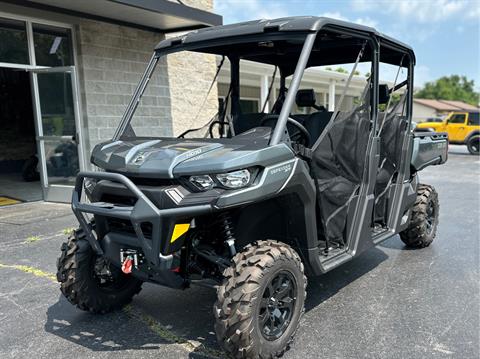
[231, 89]
[189, 93]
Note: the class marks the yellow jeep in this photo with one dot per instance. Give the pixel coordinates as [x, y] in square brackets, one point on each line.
[462, 128]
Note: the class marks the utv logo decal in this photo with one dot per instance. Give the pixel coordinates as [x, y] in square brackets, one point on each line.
[193, 153]
[285, 168]
[140, 158]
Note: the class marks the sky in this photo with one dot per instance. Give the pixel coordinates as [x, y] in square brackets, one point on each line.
[445, 34]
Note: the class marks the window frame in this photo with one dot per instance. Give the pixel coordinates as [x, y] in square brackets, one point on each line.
[456, 114]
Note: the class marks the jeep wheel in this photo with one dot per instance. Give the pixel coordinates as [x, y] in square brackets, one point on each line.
[89, 282]
[424, 219]
[261, 301]
[473, 145]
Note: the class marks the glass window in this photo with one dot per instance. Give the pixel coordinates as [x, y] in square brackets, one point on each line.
[56, 103]
[474, 119]
[457, 118]
[53, 45]
[249, 105]
[13, 42]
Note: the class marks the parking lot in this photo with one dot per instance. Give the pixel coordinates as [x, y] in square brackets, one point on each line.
[390, 302]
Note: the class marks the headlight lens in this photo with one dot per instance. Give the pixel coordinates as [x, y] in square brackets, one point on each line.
[202, 182]
[235, 179]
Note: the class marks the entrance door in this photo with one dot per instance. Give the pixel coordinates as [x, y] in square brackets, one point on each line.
[58, 130]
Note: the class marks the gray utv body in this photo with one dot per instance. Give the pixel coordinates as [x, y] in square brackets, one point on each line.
[143, 190]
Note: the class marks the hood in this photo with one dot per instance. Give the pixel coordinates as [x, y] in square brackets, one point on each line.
[434, 125]
[170, 158]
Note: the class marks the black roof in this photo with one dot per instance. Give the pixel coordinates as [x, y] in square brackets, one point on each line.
[285, 25]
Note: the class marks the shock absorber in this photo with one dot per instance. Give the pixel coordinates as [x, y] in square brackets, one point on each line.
[227, 231]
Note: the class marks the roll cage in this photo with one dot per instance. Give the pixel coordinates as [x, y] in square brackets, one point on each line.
[307, 42]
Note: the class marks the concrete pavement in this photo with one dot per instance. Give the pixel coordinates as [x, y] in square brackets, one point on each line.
[389, 303]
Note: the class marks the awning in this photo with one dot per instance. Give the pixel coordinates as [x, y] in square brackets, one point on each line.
[153, 15]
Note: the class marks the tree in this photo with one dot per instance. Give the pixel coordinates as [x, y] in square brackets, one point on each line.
[342, 70]
[452, 87]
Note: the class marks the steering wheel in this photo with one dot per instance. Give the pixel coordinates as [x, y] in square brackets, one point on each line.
[301, 134]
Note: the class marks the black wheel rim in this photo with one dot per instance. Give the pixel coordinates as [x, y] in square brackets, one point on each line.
[475, 145]
[277, 305]
[430, 220]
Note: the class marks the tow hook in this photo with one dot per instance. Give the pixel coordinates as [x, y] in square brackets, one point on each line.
[127, 265]
[129, 260]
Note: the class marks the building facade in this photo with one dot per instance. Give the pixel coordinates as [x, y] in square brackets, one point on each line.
[67, 72]
[428, 109]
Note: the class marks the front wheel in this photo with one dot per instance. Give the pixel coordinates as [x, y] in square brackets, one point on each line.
[89, 281]
[473, 145]
[424, 219]
[261, 301]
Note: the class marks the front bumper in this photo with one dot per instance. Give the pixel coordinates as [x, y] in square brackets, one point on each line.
[144, 211]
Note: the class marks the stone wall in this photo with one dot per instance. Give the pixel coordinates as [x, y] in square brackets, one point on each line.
[112, 59]
[189, 76]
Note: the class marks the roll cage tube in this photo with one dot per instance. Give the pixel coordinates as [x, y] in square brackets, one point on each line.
[290, 99]
[132, 105]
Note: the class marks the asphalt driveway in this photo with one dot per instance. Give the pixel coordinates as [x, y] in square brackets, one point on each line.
[388, 303]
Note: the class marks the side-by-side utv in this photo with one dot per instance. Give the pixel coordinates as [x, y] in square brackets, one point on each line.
[251, 203]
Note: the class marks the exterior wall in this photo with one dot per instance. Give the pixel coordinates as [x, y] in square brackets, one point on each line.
[420, 112]
[111, 60]
[189, 77]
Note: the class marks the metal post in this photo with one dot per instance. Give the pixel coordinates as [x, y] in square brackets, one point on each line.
[292, 92]
[264, 93]
[331, 96]
[235, 85]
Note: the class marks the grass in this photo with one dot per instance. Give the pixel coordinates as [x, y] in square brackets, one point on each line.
[33, 239]
[68, 231]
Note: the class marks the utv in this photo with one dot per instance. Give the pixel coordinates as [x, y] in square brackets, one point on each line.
[254, 202]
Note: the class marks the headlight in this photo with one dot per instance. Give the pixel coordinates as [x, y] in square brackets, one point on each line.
[235, 179]
[202, 182]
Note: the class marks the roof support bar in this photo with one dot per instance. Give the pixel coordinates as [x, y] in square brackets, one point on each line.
[292, 91]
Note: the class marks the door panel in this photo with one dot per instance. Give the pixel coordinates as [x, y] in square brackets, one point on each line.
[58, 130]
[456, 126]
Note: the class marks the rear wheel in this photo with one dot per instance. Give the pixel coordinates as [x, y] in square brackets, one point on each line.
[473, 145]
[261, 301]
[89, 282]
[424, 219]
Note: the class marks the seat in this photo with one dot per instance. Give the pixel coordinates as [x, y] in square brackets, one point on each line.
[247, 121]
[391, 143]
[316, 122]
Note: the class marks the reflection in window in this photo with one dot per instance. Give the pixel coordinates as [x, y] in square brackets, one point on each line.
[56, 103]
[53, 45]
[249, 105]
[13, 42]
[459, 118]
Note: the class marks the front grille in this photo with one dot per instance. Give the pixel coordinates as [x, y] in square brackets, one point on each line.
[118, 200]
[153, 182]
[125, 226]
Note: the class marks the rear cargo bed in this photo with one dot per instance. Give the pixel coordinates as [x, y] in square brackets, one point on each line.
[429, 148]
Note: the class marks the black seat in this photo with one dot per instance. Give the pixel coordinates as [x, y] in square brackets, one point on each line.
[316, 122]
[247, 121]
[391, 143]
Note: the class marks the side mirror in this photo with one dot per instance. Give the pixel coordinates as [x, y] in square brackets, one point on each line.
[383, 94]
